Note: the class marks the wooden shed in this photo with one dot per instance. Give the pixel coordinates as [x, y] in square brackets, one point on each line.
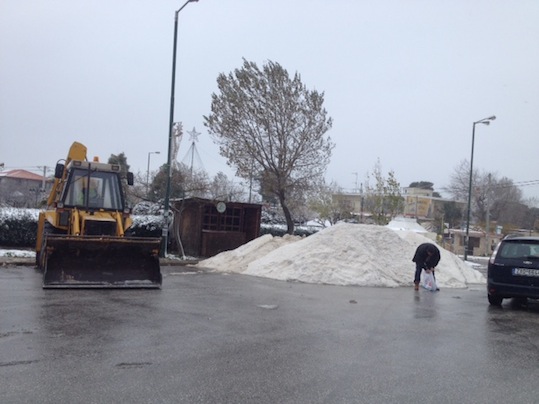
[207, 227]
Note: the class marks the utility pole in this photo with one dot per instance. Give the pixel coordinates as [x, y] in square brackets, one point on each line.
[487, 227]
[43, 182]
[44, 179]
[361, 204]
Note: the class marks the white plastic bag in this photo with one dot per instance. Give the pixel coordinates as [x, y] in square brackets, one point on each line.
[429, 282]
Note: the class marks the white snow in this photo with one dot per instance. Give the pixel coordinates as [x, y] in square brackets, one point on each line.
[19, 214]
[344, 254]
[17, 253]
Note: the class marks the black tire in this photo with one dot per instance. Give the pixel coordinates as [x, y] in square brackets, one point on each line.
[495, 300]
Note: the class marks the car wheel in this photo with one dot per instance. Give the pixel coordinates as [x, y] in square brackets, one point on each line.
[495, 300]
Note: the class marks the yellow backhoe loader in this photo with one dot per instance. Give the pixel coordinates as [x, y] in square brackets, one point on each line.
[81, 237]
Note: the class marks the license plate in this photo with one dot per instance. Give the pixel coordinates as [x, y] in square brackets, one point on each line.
[526, 272]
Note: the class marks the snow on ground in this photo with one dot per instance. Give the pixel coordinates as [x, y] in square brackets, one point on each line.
[344, 254]
[17, 253]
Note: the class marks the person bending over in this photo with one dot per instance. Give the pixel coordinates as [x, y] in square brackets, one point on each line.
[426, 257]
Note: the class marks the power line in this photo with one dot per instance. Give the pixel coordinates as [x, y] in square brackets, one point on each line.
[518, 184]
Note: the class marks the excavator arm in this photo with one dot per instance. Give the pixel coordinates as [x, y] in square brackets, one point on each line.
[77, 151]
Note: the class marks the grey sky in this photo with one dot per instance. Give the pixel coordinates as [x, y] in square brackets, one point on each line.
[403, 80]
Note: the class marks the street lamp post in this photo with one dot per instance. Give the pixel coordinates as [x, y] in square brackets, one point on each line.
[148, 171]
[170, 130]
[485, 121]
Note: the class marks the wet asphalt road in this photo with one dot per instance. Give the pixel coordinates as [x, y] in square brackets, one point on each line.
[214, 338]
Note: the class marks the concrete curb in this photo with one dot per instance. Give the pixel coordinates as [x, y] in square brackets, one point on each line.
[19, 261]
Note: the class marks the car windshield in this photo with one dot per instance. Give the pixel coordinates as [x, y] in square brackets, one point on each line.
[521, 249]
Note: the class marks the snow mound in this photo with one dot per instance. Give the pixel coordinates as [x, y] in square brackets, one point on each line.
[344, 254]
[237, 260]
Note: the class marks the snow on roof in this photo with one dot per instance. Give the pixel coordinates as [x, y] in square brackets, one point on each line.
[344, 254]
[407, 224]
[22, 175]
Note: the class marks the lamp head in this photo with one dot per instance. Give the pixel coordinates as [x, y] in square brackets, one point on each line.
[486, 121]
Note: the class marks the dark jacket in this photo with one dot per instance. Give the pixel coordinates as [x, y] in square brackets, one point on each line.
[422, 258]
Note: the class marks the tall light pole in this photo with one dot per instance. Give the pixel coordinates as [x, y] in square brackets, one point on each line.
[164, 241]
[148, 171]
[485, 121]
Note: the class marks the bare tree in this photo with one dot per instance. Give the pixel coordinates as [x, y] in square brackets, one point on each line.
[223, 188]
[498, 196]
[270, 125]
[506, 202]
[459, 181]
[532, 202]
[196, 182]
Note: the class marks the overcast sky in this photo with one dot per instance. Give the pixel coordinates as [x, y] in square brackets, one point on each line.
[403, 80]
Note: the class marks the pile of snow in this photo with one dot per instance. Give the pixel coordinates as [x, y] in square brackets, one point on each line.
[344, 254]
[237, 260]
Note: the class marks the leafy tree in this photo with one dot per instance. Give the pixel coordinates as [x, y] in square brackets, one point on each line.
[121, 160]
[384, 199]
[394, 202]
[184, 182]
[269, 124]
[452, 214]
[157, 187]
[264, 181]
[328, 208]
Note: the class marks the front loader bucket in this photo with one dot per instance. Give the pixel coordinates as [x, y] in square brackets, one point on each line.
[101, 262]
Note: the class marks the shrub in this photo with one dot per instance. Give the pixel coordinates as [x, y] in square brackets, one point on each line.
[146, 226]
[280, 231]
[18, 227]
